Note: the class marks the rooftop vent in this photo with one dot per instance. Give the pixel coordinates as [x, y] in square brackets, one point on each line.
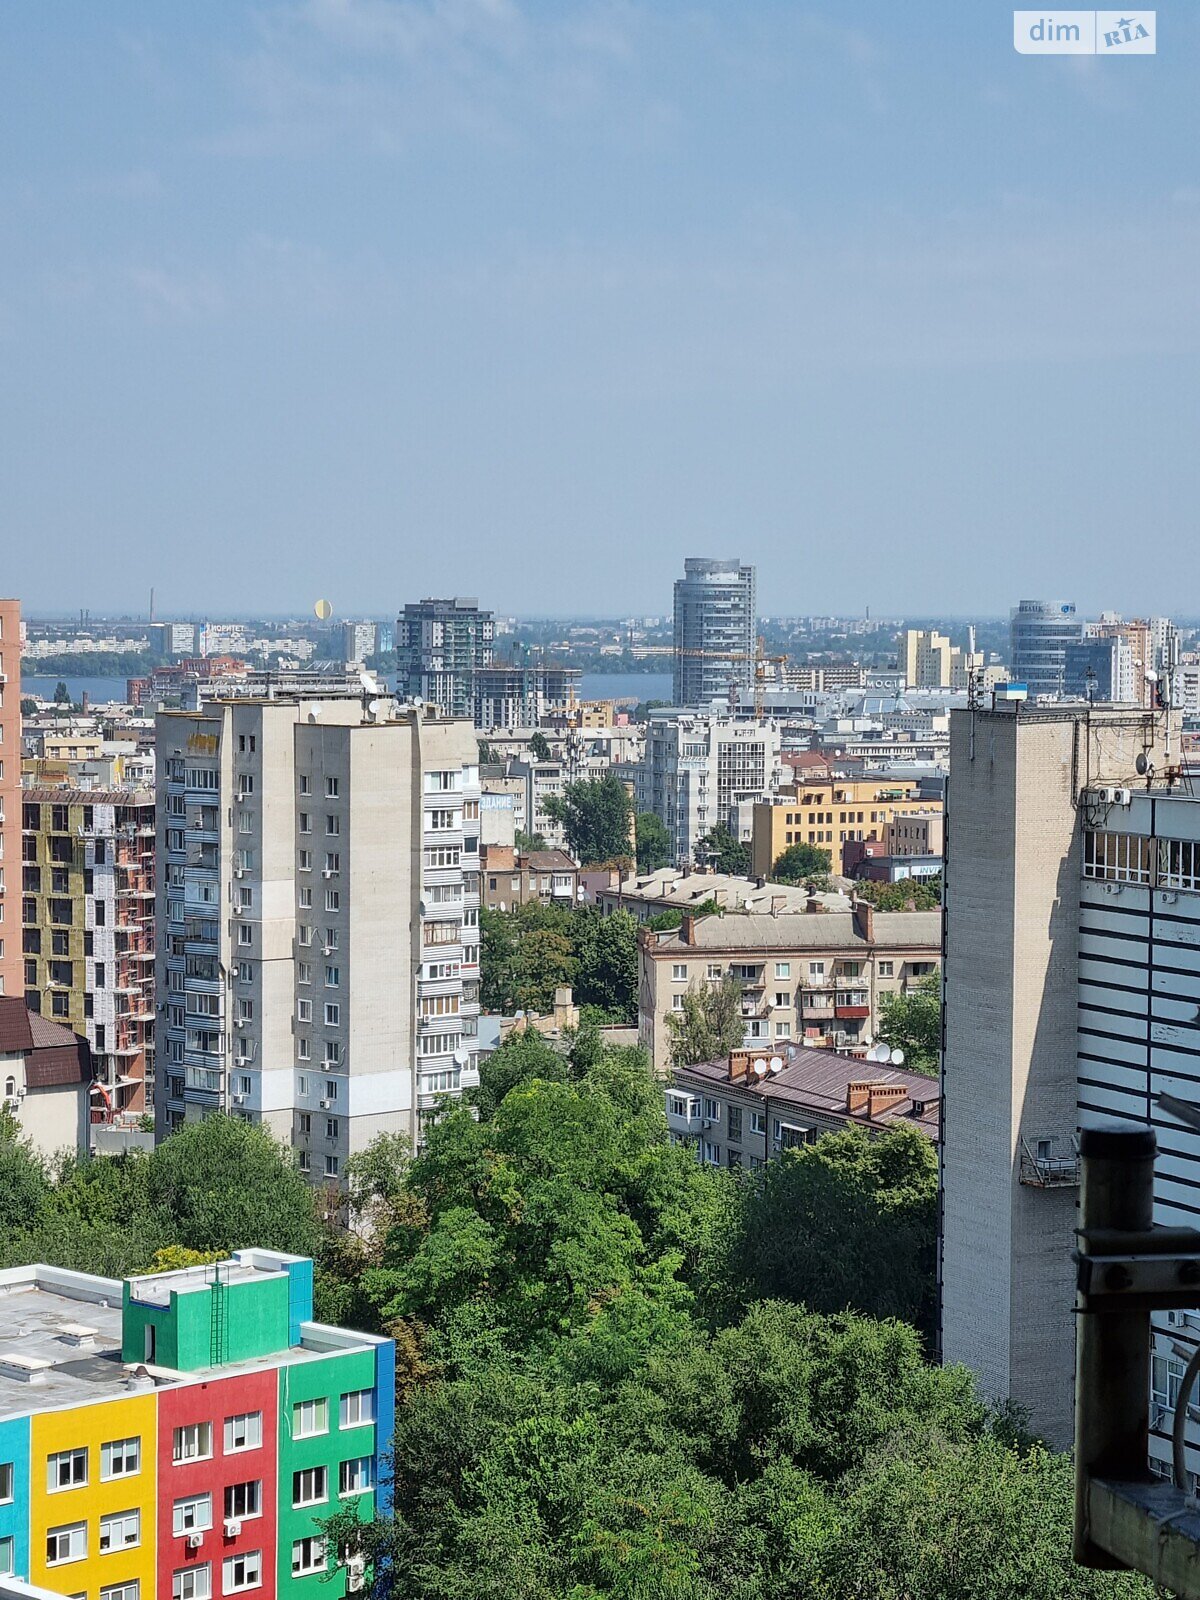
[78, 1335]
[24, 1369]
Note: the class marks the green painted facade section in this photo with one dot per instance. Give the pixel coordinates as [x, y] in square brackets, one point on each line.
[210, 1325]
[327, 1378]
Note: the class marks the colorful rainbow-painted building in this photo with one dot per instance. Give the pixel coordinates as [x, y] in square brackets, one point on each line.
[183, 1436]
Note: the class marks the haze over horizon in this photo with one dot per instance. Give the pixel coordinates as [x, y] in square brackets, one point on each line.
[381, 298]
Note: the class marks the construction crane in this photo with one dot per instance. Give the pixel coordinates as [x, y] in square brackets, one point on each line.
[761, 662]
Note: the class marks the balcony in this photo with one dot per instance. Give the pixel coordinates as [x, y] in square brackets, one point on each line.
[851, 1013]
[683, 1114]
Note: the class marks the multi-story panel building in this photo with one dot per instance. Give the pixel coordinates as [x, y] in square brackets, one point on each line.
[522, 696]
[1042, 1011]
[318, 950]
[818, 976]
[698, 770]
[87, 912]
[10, 791]
[829, 812]
[183, 1436]
[440, 645]
[359, 640]
[715, 619]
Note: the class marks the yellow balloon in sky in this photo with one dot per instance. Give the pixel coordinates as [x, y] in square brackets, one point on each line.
[323, 610]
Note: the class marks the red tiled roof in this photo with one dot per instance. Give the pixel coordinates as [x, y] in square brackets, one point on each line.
[53, 1054]
[15, 1034]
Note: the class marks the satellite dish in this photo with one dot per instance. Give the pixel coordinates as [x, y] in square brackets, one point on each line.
[897, 1058]
[1142, 764]
[776, 1063]
[880, 1052]
[322, 610]
[462, 1056]
[760, 1069]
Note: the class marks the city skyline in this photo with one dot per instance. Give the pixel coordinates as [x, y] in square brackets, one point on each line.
[297, 298]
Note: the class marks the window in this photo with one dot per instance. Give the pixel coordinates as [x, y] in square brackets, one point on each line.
[305, 861]
[354, 1477]
[332, 1166]
[7, 1558]
[193, 1514]
[356, 1408]
[783, 969]
[304, 898]
[193, 1442]
[6, 1482]
[333, 1052]
[782, 1000]
[714, 969]
[67, 1543]
[245, 934]
[679, 972]
[887, 969]
[243, 1432]
[304, 788]
[1166, 1374]
[120, 1591]
[244, 1499]
[710, 1153]
[119, 1529]
[333, 1014]
[333, 862]
[733, 1129]
[333, 1128]
[333, 824]
[192, 1583]
[712, 1110]
[677, 1002]
[310, 1486]
[333, 977]
[305, 822]
[758, 1122]
[783, 1030]
[310, 1417]
[816, 969]
[306, 935]
[308, 1555]
[333, 900]
[68, 1469]
[304, 972]
[1125, 858]
[331, 788]
[303, 1010]
[331, 1089]
[241, 1572]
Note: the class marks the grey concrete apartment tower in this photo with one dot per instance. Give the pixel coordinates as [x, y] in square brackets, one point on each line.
[1009, 1076]
[440, 646]
[715, 620]
[318, 940]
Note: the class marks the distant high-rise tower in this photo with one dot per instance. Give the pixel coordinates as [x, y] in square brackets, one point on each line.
[439, 646]
[11, 968]
[715, 617]
[1040, 631]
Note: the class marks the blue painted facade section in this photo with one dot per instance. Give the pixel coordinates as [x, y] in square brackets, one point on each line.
[385, 1425]
[14, 1513]
[300, 1297]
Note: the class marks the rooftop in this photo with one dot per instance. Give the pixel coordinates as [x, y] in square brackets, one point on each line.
[817, 930]
[60, 1340]
[672, 888]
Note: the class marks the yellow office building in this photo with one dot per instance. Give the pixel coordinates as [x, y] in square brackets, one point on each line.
[829, 812]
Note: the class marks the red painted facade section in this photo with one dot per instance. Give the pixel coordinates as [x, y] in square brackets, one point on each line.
[212, 1400]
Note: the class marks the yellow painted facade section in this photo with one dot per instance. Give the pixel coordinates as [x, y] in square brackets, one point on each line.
[88, 1427]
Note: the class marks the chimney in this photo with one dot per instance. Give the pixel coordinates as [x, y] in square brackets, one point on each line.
[814, 904]
[566, 1012]
[739, 1064]
[778, 901]
[687, 928]
[858, 1096]
[864, 920]
[882, 1095]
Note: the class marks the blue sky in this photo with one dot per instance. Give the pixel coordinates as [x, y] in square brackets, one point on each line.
[381, 298]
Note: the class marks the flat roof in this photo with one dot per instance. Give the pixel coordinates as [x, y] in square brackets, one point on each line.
[66, 1367]
[812, 930]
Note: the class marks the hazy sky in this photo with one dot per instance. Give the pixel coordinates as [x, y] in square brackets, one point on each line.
[381, 298]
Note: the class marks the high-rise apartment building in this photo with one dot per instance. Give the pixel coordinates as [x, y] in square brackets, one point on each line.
[520, 696]
[715, 620]
[698, 770]
[359, 640]
[318, 934]
[87, 915]
[1039, 633]
[440, 645]
[10, 792]
[1022, 956]
[930, 661]
[185, 1436]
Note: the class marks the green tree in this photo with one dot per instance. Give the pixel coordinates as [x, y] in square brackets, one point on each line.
[529, 841]
[801, 862]
[227, 1185]
[521, 1058]
[653, 842]
[710, 1024]
[62, 695]
[910, 894]
[595, 815]
[912, 1022]
[720, 850]
[848, 1222]
[539, 746]
[607, 953]
[28, 706]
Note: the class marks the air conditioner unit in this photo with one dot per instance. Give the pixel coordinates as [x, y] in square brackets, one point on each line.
[324, 1104]
[195, 1540]
[1122, 797]
[356, 1569]
[239, 872]
[232, 1527]
[239, 1099]
[329, 872]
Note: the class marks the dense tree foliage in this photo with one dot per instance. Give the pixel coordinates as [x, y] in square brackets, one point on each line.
[653, 842]
[911, 894]
[709, 1025]
[609, 1389]
[596, 815]
[912, 1022]
[721, 851]
[539, 746]
[530, 952]
[800, 863]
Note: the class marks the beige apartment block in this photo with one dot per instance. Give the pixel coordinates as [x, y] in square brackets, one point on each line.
[915, 833]
[1009, 1080]
[817, 976]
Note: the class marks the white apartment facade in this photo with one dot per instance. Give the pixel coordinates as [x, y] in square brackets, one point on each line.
[698, 769]
[318, 939]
